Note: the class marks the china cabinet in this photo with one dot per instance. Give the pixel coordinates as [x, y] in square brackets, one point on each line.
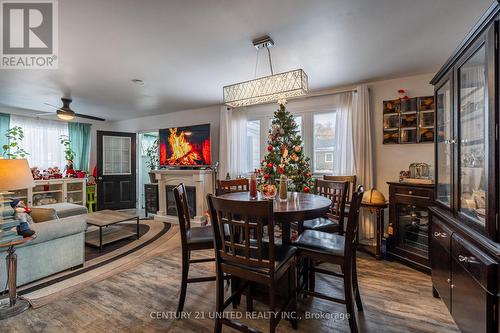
[465, 248]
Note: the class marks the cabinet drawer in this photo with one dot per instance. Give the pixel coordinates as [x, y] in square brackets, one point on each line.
[441, 234]
[479, 265]
[413, 192]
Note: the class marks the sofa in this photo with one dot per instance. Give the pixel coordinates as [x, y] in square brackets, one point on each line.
[59, 244]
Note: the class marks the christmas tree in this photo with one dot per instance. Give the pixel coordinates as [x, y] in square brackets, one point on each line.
[285, 155]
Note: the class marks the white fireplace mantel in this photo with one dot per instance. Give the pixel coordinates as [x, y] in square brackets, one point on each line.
[202, 180]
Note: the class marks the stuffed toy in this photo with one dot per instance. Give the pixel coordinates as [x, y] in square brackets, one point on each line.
[22, 213]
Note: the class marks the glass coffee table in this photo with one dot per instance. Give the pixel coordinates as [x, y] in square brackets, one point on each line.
[106, 234]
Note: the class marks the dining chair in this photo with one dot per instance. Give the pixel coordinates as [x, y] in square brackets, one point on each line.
[336, 191]
[242, 251]
[338, 250]
[350, 179]
[232, 185]
[192, 239]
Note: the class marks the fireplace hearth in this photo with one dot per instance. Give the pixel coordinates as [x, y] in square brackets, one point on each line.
[191, 198]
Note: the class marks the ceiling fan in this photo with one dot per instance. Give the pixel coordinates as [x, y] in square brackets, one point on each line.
[65, 112]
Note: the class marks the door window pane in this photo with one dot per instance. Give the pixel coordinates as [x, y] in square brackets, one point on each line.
[324, 135]
[116, 155]
[253, 145]
[443, 130]
[473, 97]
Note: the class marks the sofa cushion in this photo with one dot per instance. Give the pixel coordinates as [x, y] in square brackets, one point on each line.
[65, 209]
[43, 214]
[54, 229]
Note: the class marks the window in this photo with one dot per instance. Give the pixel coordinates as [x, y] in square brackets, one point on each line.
[116, 155]
[323, 143]
[253, 145]
[41, 140]
[329, 157]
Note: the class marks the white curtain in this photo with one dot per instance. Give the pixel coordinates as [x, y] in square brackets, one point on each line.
[233, 142]
[363, 159]
[41, 140]
[343, 159]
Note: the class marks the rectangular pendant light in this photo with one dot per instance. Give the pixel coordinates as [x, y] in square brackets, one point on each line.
[266, 89]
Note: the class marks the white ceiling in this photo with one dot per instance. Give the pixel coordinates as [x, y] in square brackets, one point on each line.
[187, 50]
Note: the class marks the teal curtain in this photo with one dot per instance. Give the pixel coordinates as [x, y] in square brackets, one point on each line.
[79, 135]
[4, 126]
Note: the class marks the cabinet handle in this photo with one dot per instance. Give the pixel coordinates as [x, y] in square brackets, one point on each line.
[471, 260]
[462, 258]
[440, 234]
[410, 192]
[446, 142]
[452, 286]
[448, 280]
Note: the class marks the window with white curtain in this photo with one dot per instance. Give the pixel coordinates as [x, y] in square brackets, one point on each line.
[41, 140]
[324, 141]
[253, 145]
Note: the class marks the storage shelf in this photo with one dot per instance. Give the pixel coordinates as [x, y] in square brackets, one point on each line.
[75, 191]
[50, 191]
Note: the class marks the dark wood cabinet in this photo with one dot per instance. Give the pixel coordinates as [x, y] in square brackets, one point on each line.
[409, 216]
[151, 204]
[465, 248]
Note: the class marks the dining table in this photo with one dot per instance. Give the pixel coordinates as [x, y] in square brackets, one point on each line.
[297, 208]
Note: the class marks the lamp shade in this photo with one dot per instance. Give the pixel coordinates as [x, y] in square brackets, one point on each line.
[15, 175]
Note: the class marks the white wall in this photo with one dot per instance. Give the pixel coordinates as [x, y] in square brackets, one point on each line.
[181, 118]
[389, 160]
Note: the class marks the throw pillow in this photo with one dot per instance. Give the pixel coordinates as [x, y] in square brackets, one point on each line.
[43, 214]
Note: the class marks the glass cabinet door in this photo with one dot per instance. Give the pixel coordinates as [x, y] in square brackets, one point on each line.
[413, 229]
[443, 142]
[472, 99]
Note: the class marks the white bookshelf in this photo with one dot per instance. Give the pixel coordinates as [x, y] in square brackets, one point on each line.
[71, 190]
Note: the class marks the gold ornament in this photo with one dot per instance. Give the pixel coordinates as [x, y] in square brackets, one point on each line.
[284, 151]
[298, 149]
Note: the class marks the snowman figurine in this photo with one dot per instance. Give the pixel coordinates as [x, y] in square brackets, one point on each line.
[22, 214]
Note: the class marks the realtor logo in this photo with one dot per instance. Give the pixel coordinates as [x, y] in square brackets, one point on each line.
[29, 34]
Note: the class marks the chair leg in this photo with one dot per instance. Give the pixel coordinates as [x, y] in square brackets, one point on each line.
[185, 272]
[356, 285]
[312, 276]
[272, 308]
[292, 293]
[250, 297]
[219, 300]
[349, 301]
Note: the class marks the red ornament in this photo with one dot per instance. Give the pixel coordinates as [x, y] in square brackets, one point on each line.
[306, 189]
[266, 176]
[258, 171]
[269, 148]
[308, 175]
[270, 165]
[281, 170]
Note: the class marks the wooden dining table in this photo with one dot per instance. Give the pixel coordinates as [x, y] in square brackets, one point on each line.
[298, 207]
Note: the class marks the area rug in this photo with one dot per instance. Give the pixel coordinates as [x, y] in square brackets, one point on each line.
[101, 267]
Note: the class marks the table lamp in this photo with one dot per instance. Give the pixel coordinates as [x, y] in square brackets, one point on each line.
[14, 175]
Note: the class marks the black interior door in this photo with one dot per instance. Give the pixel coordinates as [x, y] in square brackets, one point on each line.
[116, 175]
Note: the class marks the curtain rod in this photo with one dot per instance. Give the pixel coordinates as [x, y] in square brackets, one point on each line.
[325, 92]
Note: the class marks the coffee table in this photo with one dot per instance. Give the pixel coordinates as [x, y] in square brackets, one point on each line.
[105, 218]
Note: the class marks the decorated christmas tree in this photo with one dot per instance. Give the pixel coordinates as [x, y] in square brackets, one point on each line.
[285, 154]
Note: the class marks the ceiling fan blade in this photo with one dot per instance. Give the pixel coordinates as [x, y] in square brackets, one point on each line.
[79, 115]
[45, 114]
[52, 106]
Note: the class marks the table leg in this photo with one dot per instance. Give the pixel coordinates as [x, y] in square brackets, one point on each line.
[11, 261]
[137, 227]
[16, 305]
[100, 239]
[285, 233]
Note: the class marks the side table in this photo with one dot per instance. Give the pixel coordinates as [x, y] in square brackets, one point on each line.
[378, 209]
[16, 305]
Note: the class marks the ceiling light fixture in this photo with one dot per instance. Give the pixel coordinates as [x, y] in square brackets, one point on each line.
[64, 115]
[269, 88]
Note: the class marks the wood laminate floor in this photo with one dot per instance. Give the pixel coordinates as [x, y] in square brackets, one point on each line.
[396, 299]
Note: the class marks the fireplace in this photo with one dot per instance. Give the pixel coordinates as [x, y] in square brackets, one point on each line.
[191, 198]
[198, 184]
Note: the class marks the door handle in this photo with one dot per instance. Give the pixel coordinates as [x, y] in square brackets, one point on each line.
[99, 178]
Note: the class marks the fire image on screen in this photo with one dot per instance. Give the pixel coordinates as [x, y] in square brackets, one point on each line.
[185, 146]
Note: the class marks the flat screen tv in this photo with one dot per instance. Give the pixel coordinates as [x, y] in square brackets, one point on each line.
[185, 146]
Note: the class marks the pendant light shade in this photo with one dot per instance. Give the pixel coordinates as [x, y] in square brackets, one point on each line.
[266, 89]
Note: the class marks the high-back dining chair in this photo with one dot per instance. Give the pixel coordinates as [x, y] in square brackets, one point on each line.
[242, 251]
[232, 185]
[192, 239]
[336, 191]
[350, 179]
[338, 250]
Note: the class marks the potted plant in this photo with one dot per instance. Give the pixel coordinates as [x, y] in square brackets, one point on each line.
[12, 150]
[153, 159]
[69, 155]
